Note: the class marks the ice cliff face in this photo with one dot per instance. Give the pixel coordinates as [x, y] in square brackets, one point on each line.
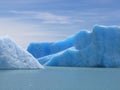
[98, 48]
[14, 57]
[46, 48]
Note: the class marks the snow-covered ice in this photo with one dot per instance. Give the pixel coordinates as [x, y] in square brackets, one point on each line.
[13, 56]
[98, 48]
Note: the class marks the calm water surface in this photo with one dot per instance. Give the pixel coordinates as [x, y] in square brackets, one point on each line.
[64, 78]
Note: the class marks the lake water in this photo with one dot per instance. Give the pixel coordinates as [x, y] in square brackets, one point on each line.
[61, 78]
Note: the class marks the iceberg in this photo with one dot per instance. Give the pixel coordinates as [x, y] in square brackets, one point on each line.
[97, 48]
[46, 48]
[12, 56]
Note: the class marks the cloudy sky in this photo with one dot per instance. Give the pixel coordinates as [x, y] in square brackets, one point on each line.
[51, 20]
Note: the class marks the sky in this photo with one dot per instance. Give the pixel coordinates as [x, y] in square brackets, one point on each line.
[51, 20]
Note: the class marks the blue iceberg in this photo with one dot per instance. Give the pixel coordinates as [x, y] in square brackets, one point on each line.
[98, 48]
[46, 48]
[12, 56]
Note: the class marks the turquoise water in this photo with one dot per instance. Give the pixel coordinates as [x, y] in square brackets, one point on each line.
[64, 78]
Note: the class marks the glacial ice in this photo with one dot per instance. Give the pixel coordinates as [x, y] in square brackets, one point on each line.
[46, 48]
[12, 56]
[98, 48]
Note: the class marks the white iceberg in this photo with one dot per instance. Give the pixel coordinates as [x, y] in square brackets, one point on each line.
[13, 56]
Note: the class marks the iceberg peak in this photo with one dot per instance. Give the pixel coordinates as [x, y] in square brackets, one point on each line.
[12, 56]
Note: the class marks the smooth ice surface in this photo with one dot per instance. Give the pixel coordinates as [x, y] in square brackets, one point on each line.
[13, 56]
[42, 49]
[64, 78]
[98, 48]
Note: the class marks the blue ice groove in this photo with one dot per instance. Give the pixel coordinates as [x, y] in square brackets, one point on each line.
[46, 48]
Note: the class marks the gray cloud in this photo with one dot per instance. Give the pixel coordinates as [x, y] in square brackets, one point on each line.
[47, 18]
